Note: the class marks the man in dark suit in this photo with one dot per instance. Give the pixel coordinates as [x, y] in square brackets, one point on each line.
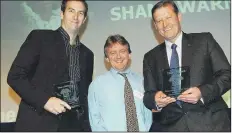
[51, 73]
[200, 107]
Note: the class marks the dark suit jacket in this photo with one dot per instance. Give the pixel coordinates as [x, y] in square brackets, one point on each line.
[209, 70]
[40, 63]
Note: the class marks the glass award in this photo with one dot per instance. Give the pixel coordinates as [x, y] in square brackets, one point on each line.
[175, 81]
[66, 92]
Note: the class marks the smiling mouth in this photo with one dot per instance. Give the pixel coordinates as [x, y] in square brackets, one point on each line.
[167, 29]
[119, 61]
[75, 22]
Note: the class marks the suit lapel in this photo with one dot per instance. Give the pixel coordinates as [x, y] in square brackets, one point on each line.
[82, 61]
[59, 46]
[62, 59]
[187, 50]
[59, 50]
[164, 60]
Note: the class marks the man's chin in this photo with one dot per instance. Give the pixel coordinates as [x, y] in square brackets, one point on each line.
[74, 30]
[119, 69]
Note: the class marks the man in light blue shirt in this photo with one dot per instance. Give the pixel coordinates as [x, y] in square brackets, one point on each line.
[107, 110]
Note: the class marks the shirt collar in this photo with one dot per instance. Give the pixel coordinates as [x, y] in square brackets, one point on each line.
[66, 36]
[114, 71]
[178, 41]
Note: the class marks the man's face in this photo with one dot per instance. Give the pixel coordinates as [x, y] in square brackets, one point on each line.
[73, 17]
[167, 22]
[118, 56]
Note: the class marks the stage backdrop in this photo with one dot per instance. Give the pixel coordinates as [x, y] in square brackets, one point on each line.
[132, 19]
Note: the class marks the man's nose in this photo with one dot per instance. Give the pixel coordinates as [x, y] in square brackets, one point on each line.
[76, 15]
[165, 23]
[118, 56]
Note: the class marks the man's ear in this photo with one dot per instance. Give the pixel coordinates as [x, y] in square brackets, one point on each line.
[179, 17]
[85, 19]
[154, 25]
[61, 15]
[107, 59]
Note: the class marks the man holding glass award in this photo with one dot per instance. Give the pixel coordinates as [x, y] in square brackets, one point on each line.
[186, 76]
[51, 73]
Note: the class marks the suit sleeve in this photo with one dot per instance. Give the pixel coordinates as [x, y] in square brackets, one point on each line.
[90, 77]
[95, 118]
[23, 68]
[149, 86]
[221, 68]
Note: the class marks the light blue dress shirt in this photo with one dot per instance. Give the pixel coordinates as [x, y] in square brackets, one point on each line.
[106, 102]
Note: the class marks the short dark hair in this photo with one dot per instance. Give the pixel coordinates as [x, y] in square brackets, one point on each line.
[116, 39]
[164, 3]
[64, 3]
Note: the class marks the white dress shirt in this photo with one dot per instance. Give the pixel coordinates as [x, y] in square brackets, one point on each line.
[178, 42]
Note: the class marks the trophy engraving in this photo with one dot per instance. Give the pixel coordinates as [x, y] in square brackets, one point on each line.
[66, 92]
[175, 80]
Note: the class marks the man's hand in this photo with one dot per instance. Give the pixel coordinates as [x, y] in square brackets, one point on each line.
[162, 99]
[56, 106]
[192, 95]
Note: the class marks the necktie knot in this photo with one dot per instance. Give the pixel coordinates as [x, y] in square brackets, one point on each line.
[173, 46]
[123, 74]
